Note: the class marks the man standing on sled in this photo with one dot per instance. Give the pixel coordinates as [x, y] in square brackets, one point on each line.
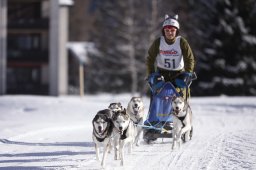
[171, 56]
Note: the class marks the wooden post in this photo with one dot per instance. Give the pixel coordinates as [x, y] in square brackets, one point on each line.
[81, 79]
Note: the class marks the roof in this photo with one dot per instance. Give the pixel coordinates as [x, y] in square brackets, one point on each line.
[81, 50]
[66, 2]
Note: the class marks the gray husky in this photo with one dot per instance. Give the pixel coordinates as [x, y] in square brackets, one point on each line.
[124, 133]
[182, 121]
[135, 109]
[114, 107]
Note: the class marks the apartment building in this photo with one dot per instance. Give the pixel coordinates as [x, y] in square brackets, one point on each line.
[33, 53]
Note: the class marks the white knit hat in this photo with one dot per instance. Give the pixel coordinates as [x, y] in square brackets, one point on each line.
[171, 21]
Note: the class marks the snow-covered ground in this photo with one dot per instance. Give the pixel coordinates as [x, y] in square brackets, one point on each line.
[39, 132]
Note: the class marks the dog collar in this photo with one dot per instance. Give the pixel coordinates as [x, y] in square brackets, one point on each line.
[123, 136]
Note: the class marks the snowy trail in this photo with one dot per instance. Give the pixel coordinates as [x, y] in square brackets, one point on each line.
[55, 133]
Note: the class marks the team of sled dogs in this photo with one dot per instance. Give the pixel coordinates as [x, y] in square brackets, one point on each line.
[117, 127]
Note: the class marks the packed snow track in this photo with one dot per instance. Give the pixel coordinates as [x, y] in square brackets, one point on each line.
[55, 133]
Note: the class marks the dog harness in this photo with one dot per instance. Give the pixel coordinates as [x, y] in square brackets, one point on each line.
[124, 136]
[136, 121]
[183, 118]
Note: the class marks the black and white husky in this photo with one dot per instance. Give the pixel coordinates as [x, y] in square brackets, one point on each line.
[135, 109]
[102, 130]
[182, 121]
[124, 133]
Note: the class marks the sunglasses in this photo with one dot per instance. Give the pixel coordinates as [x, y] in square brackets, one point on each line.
[169, 28]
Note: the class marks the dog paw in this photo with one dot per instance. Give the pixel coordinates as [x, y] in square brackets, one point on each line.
[186, 140]
[175, 148]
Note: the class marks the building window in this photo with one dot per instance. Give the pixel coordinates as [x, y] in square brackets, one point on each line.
[25, 80]
[24, 41]
[18, 11]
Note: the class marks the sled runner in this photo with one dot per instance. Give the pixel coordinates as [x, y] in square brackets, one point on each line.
[159, 121]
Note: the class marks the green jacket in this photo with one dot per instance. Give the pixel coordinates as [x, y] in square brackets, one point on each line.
[188, 57]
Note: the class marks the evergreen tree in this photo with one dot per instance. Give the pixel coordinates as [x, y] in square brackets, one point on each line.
[199, 31]
[234, 41]
[221, 34]
[227, 56]
[121, 31]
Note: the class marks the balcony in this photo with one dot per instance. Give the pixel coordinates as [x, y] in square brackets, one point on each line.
[27, 57]
[40, 24]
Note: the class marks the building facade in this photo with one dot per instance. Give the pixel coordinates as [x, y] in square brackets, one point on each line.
[33, 49]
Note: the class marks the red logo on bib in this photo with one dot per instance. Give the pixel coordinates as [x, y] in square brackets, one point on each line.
[169, 52]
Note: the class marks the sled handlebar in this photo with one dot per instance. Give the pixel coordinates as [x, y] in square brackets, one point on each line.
[188, 80]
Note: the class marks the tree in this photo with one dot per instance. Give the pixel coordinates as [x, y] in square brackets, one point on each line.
[199, 31]
[121, 34]
[226, 39]
[221, 34]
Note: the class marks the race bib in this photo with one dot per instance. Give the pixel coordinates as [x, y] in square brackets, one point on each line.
[170, 56]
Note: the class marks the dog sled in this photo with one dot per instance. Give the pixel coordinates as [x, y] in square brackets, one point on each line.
[159, 122]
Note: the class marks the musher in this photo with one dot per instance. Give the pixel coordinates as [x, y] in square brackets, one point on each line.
[171, 56]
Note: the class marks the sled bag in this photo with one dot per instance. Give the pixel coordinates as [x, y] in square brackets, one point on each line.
[161, 104]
